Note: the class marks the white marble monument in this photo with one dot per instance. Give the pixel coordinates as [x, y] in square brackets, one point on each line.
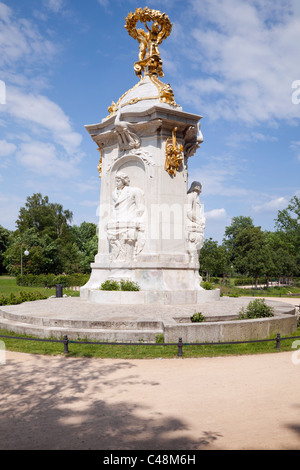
[151, 224]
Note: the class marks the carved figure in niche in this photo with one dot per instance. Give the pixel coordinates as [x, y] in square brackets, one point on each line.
[125, 230]
[195, 222]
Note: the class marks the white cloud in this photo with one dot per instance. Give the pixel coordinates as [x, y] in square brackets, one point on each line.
[6, 148]
[295, 145]
[88, 203]
[236, 139]
[42, 158]
[20, 40]
[272, 205]
[216, 214]
[249, 51]
[220, 176]
[54, 5]
[40, 110]
[21, 43]
[103, 3]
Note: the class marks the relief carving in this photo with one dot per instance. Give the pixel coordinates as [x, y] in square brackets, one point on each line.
[125, 230]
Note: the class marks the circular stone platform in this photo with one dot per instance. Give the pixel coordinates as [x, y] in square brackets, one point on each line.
[82, 319]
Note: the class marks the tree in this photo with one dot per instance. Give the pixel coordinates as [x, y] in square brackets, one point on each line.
[43, 256]
[4, 242]
[45, 217]
[238, 224]
[214, 259]
[43, 228]
[86, 238]
[252, 255]
[288, 229]
[283, 255]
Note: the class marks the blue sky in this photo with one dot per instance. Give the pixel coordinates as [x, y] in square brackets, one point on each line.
[234, 62]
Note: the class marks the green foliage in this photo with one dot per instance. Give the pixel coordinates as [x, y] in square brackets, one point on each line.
[123, 285]
[129, 285]
[110, 285]
[160, 338]
[51, 280]
[45, 217]
[238, 224]
[214, 259]
[4, 243]
[248, 281]
[54, 246]
[14, 299]
[256, 309]
[207, 285]
[197, 318]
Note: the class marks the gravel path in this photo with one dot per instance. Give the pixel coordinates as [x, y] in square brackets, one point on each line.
[230, 403]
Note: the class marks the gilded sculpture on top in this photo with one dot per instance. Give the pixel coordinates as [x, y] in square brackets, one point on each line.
[150, 62]
[149, 56]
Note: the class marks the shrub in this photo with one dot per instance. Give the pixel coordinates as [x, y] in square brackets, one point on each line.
[160, 338]
[124, 285]
[129, 285]
[110, 285]
[207, 285]
[256, 309]
[197, 318]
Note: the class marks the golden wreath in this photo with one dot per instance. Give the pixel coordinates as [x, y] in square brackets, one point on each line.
[145, 15]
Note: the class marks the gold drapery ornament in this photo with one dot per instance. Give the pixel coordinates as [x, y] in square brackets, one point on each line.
[99, 167]
[174, 154]
[149, 56]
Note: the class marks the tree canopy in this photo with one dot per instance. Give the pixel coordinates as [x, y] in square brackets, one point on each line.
[255, 253]
[43, 228]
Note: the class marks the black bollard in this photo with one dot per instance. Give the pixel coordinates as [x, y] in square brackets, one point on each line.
[278, 338]
[179, 354]
[66, 345]
[59, 290]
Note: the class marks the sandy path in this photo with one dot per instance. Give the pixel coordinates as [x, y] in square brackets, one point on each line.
[250, 402]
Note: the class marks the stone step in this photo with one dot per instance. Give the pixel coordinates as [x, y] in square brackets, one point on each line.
[85, 324]
[76, 333]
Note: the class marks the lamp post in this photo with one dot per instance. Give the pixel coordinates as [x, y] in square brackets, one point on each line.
[231, 268]
[26, 253]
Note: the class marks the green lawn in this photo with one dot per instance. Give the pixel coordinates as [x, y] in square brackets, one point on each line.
[141, 351]
[8, 286]
[265, 292]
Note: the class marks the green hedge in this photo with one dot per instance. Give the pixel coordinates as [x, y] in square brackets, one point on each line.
[248, 281]
[51, 280]
[14, 299]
